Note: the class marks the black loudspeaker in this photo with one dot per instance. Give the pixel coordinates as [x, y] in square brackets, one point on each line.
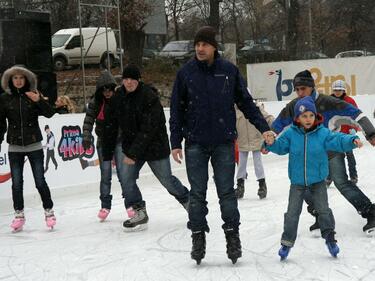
[47, 85]
[25, 38]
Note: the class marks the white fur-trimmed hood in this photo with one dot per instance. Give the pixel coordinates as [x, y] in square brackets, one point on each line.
[30, 76]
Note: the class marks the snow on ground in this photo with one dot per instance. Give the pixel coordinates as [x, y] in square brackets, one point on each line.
[82, 248]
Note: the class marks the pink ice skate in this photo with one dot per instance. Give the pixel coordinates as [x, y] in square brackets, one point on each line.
[17, 224]
[50, 218]
[103, 214]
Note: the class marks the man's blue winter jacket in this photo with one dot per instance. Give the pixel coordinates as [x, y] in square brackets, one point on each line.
[202, 104]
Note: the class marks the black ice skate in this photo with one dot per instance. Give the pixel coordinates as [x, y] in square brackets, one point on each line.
[138, 221]
[198, 250]
[369, 228]
[240, 190]
[262, 191]
[233, 244]
[315, 227]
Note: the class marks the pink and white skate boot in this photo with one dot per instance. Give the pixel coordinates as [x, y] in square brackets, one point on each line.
[19, 221]
[103, 214]
[50, 218]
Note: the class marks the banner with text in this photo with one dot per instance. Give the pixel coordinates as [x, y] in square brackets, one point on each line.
[274, 81]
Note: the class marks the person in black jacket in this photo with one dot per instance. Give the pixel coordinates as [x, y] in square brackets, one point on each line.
[137, 110]
[97, 112]
[20, 105]
[202, 112]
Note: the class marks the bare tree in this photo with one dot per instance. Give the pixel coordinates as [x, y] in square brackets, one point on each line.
[175, 10]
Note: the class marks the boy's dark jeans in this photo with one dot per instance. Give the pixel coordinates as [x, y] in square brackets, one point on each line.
[319, 198]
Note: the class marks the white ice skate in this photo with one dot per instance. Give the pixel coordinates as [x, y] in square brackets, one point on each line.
[50, 218]
[138, 220]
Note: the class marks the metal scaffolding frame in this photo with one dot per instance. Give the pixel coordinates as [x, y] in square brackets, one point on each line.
[106, 8]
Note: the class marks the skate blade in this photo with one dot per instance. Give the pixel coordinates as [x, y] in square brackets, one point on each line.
[137, 228]
[370, 232]
[19, 229]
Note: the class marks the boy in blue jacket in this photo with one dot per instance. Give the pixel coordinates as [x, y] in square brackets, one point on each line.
[307, 142]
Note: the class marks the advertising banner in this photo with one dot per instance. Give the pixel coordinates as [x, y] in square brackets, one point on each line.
[274, 81]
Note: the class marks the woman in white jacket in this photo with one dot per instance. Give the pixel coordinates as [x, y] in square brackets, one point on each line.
[250, 139]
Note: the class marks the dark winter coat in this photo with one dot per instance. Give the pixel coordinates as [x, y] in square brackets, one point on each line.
[335, 112]
[202, 104]
[20, 111]
[94, 107]
[141, 119]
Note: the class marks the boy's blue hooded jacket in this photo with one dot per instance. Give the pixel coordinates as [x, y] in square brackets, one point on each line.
[308, 160]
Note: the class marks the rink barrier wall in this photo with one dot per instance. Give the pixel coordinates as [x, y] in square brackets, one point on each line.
[71, 178]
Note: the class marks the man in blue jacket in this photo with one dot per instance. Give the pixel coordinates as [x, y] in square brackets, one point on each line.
[202, 112]
[335, 113]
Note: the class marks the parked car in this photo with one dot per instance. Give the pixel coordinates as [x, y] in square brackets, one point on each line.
[178, 50]
[311, 55]
[354, 53]
[182, 51]
[258, 53]
[66, 47]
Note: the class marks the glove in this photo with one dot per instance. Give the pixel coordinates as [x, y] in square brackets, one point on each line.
[352, 131]
[87, 139]
[86, 144]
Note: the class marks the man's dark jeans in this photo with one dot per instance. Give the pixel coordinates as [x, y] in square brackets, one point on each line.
[223, 164]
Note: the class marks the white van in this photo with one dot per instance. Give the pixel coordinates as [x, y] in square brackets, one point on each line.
[66, 45]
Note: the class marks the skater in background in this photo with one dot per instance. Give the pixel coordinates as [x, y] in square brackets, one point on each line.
[96, 113]
[64, 105]
[202, 112]
[20, 106]
[50, 148]
[334, 111]
[136, 110]
[250, 139]
[307, 142]
[339, 91]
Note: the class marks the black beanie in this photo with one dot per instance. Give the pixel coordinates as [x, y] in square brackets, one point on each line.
[46, 127]
[206, 34]
[131, 71]
[303, 78]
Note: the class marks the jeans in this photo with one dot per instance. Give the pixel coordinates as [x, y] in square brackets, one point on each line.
[222, 161]
[17, 161]
[106, 175]
[50, 155]
[291, 217]
[348, 189]
[352, 165]
[351, 192]
[162, 170]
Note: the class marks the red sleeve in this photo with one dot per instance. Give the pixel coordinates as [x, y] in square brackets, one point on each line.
[350, 100]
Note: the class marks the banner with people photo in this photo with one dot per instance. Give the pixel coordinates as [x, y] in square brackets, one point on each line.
[274, 81]
[66, 162]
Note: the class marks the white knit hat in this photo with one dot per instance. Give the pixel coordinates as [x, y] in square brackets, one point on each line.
[339, 85]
